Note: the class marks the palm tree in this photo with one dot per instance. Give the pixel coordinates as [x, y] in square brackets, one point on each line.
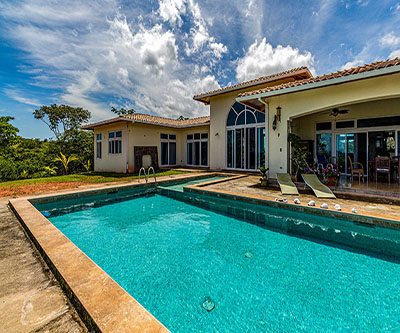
[65, 161]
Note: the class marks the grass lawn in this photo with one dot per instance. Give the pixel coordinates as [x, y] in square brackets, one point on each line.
[34, 185]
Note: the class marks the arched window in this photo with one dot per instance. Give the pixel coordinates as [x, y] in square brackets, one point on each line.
[245, 134]
[240, 114]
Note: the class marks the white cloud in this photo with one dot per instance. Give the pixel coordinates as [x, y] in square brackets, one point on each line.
[171, 10]
[200, 35]
[395, 54]
[263, 59]
[390, 40]
[353, 63]
[101, 59]
[19, 97]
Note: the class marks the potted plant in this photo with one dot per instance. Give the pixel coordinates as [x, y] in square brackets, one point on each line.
[264, 176]
[299, 156]
[331, 176]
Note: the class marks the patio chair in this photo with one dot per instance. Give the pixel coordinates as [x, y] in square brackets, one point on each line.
[382, 165]
[356, 169]
[320, 190]
[286, 184]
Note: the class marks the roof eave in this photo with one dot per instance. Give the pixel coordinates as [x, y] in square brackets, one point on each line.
[170, 125]
[92, 126]
[205, 98]
[321, 84]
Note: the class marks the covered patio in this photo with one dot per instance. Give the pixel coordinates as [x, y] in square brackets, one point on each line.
[348, 120]
[360, 140]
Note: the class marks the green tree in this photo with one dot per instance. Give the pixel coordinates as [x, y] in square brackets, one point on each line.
[62, 119]
[8, 132]
[122, 111]
[182, 118]
[65, 161]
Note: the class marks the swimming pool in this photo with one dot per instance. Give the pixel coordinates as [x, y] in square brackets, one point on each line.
[173, 256]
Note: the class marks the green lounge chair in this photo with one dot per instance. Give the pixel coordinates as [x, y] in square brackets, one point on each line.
[286, 184]
[320, 190]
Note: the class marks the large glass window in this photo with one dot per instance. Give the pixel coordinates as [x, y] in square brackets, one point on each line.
[168, 149]
[115, 142]
[324, 148]
[245, 138]
[98, 145]
[197, 149]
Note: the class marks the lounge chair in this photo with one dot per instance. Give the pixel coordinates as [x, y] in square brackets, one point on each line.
[320, 190]
[286, 184]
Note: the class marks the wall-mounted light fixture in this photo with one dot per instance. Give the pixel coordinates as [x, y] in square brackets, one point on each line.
[278, 113]
[274, 123]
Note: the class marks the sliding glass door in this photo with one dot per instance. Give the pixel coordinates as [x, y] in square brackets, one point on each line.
[353, 146]
[245, 138]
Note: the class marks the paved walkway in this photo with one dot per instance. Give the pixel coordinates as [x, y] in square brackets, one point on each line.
[31, 300]
[249, 185]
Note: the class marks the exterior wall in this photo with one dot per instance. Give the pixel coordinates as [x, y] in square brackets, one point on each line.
[140, 135]
[323, 99]
[110, 162]
[219, 109]
[183, 146]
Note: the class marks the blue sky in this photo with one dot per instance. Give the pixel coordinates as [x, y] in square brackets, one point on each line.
[154, 55]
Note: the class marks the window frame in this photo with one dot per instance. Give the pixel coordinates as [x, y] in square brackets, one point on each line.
[243, 127]
[114, 143]
[168, 140]
[193, 141]
[99, 152]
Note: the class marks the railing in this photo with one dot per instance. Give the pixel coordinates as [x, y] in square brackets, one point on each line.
[146, 177]
[154, 174]
[144, 172]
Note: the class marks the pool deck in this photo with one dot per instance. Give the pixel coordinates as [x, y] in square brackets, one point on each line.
[99, 300]
[248, 187]
[31, 299]
[101, 303]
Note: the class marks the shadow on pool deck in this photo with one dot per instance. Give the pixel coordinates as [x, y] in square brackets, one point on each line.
[30, 297]
[248, 186]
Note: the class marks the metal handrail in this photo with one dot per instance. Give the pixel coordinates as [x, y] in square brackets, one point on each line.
[144, 172]
[154, 174]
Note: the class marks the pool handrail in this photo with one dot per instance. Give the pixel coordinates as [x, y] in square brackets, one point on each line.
[154, 174]
[144, 172]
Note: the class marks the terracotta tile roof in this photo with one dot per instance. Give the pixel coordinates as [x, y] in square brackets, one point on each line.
[296, 73]
[152, 120]
[156, 120]
[351, 71]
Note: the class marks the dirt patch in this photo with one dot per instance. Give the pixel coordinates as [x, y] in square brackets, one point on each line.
[16, 191]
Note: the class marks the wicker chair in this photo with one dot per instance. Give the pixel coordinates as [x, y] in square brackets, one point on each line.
[356, 169]
[382, 165]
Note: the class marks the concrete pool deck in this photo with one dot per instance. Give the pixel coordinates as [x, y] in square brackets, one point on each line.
[103, 304]
[99, 300]
[30, 296]
[248, 186]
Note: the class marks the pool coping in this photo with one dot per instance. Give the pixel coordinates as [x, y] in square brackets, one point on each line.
[388, 221]
[101, 302]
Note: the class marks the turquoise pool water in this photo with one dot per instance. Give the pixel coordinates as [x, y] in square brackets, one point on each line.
[172, 256]
[179, 186]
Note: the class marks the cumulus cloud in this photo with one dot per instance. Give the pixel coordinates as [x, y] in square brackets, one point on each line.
[200, 35]
[171, 10]
[263, 59]
[102, 59]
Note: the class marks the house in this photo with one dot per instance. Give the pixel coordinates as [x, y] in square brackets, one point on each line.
[350, 113]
